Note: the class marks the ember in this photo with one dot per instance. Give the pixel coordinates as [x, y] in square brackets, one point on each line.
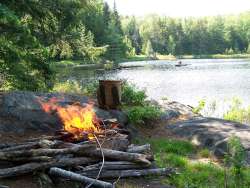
[77, 119]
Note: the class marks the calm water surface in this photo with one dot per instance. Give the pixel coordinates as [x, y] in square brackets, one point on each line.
[202, 79]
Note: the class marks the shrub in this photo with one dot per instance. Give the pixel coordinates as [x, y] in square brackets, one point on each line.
[141, 114]
[235, 159]
[132, 96]
[200, 107]
[204, 153]
[237, 112]
[88, 89]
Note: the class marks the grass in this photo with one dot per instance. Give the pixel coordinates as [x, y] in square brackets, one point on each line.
[178, 154]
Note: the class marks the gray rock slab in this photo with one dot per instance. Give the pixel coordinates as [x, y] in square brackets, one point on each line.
[212, 133]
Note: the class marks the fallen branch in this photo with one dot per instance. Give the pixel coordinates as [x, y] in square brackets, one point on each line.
[77, 177]
[31, 167]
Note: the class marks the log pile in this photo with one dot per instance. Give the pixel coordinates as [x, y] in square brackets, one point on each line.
[90, 162]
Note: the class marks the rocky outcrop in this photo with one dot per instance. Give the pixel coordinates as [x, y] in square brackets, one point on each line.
[21, 111]
[212, 133]
[173, 109]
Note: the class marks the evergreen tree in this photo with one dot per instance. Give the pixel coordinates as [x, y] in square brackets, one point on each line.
[149, 49]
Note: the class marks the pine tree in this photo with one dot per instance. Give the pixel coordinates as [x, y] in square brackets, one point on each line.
[149, 49]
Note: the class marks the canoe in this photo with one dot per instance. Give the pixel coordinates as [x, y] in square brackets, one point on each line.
[182, 65]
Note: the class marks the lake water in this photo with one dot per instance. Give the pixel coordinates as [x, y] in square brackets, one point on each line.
[208, 79]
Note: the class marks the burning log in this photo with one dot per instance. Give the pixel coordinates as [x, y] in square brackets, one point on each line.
[77, 177]
[32, 167]
[112, 174]
[44, 152]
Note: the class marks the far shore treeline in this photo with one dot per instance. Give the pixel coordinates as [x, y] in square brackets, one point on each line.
[35, 33]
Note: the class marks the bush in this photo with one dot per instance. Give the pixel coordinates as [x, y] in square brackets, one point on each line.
[141, 114]
[88, 89]
[237, 112]
[200, 107]
[132, 96]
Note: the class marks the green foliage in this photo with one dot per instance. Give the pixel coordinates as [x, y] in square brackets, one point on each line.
[205, 153]
[177, 154]
[237, 112]
[196, 36]
[138, 109]
[74, 87]
[149, 51]
[163, 145]
[133, 96]
[200, 107]
[22, 58]
[235, 158]
[142, 114]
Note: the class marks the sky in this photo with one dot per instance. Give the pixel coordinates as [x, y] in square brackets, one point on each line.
[181, 8]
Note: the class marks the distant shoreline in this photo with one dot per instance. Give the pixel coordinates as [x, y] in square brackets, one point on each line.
[171, 57]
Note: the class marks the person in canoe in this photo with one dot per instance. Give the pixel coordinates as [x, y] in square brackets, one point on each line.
[180, 64]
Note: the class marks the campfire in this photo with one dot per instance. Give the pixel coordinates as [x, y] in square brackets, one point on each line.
[88, 149]
[80, 121]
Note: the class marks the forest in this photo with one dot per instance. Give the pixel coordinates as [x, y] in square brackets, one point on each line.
[35, 33]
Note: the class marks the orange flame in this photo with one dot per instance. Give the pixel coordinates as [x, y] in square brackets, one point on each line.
[76, 119]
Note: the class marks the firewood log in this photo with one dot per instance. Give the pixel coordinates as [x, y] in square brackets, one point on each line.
[114, 165]
[4, 186]
[31, 159]
[77, 177]
[33, 145]
[112, 174]
[32, 167]
[62, 136]
[139, 149]
[44, 152]
[118, 155]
